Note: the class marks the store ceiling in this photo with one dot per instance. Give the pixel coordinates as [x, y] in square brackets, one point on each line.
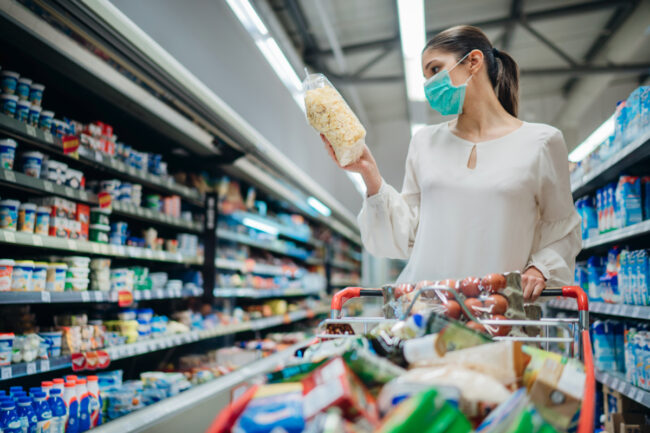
[541, 35]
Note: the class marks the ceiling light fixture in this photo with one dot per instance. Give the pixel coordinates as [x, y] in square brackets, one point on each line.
[319, 206]
[413, 39]
[593, 141]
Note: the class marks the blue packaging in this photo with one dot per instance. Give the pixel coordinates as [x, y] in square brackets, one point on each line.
[26, 413]
[57, 406]
[9, 419]
[9, 81]
[643, 277]
[43, 412]
[628, 201]
[617, 330]
[22, 111]
[274, 407]
[9, 103]
[22, 89]
[595, 269]
[36, 93]
[604, 348]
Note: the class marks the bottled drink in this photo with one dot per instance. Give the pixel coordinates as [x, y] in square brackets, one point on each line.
[46, 386]
[9, 418]
[95, 401]
[26, 411]
[57, 406]
[72, 407]
[43, 412]
[34, 390]
[58, 384]
[14, 389]
[19, 394]
[84, 405]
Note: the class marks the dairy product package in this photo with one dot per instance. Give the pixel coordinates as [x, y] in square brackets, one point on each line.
[330, 115]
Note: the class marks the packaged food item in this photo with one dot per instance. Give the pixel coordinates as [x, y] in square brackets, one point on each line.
[330, 115]
[9, 81]
[6, 347]
[276, 407]
[45, 120]
[426, 412]
[26, 217]
[99, 233]
[36, 94]
[9, 104]
[32, 162]
[22, 88]
[6, 272]
[54, 171]
[100, 216]
[22, 275]
[9, 214]
[74, 178]
[42, 224]
[39, 276]
[335, 385]
[22, 111]
[7, 153]
[34, 115]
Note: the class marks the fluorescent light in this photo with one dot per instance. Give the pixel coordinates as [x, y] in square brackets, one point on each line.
[358, 182]
[248, 17]
[319, 206]
[413, 39]
[261, 226]
[415, 127]
[279, 63]
[593, 141]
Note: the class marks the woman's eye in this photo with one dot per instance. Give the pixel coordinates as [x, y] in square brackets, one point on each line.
[435, 69]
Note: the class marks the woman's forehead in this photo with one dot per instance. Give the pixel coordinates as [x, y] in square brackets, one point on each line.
[431, 56]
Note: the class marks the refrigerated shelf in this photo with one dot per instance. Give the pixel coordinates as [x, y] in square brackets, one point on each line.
[617, 382]
[246, 292]
[94, 296]
[619, 310]
[642, 228]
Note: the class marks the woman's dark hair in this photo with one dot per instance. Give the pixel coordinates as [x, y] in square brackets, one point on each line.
[501, 68]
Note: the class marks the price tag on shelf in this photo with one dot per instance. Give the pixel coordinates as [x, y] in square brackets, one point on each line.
[103, 248]
[31, 368]
[131, 171]
[85, 297]
[10, 176]
[95, 247]
[83, 195]
[68, 191]
[37, 241]
[45, 365]
[46, 297]
[147, 294]
[148, 253]
[48, 137]
[6, 373]
[618, 309]
[10, 237]
[139, 211]
[30, 130]
[72, 244]
[98, 157]
[48, 186]
[99, 296]
[121, 250]
[636, 312]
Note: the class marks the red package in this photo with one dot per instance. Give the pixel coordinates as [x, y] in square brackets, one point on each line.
[334, 385]
[83, 216]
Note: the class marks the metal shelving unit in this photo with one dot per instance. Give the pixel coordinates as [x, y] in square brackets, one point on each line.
[227, 235]
[250, 293]
[642, 228]
[94, 296]
[257, 268]
[617, 381]
[636, 312]
[343, 265]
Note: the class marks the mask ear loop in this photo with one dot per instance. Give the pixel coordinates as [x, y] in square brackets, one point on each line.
[458, 63]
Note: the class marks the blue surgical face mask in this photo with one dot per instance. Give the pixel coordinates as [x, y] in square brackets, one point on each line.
[442, 95]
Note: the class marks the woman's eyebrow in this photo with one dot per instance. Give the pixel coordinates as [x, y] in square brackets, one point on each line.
[429, 63]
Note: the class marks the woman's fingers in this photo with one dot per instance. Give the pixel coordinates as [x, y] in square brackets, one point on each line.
[532, 287]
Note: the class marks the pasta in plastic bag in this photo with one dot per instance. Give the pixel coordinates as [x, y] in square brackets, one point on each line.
[330, 115]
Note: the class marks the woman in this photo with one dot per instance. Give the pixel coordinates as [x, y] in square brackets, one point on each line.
[482, 193]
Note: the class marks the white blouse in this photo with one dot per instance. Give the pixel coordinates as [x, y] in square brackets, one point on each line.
[513, 211]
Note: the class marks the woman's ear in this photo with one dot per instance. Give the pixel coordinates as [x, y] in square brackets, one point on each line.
[475, 60]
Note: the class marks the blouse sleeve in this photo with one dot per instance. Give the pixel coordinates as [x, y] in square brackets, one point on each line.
[557, 235]
[389, 220]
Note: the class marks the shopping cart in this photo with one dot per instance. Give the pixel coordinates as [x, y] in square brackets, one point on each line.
[576, 328]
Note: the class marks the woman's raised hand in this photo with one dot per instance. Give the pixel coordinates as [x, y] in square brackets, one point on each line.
[366, 166]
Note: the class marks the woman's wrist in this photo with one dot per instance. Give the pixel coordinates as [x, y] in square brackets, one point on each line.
[372, 179]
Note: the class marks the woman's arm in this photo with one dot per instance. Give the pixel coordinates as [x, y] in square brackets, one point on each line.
[557, 235]
[388, 220]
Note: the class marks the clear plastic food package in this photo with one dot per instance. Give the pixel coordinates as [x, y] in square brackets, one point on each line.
[330, 115]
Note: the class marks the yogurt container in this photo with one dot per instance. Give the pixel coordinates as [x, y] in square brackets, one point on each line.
[100, 216]
[32, 162]
[45, 120]
[26, 217]
[77, 273]
[9, 103]
[55, 171]
[53, 341]
[7, 153]
[42, 223]
[36, 93]
[21, 280]
[76, 284]
[22, 89]
[6, 271]
[6, 347]
[77, 261]
[22, 110]
[74, 178]
[34, 115]
[99, 233]
[9, 214]
[9, 81]
[39, 276]
[55, 281]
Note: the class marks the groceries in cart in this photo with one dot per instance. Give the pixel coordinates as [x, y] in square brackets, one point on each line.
[426, 373]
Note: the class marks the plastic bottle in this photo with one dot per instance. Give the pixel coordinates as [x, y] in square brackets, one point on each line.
[9, 418]
[25, 410]
[43, 412]
[58, 384]
[13, 389]
[57, 406]
[46, 386]
[19, 394]
[84, 405]
[72, 407]
[34, 390]
[95, 401]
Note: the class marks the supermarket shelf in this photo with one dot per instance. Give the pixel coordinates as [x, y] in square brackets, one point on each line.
[149, 417]
[345, 283]
[641, 228]
[617, 381]
[620, 310]
[344, 265]
[95, 159]
[80, 246]
[236, 292]
[256, 268]
[93, 296]
[120, 208]
[246, 240]
[152, 345]
[283, 230]
[612, 168]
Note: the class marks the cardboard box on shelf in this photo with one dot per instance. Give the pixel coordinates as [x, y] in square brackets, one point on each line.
[615, 402]
[619, 422]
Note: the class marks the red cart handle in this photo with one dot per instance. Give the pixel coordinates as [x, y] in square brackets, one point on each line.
[342, 296]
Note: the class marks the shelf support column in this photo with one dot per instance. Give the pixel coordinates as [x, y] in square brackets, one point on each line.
[210, 247]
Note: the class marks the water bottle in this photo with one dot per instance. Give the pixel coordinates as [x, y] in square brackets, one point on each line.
[84, 405]
[72, 407]
[43, 412]
[57, 406]
[14, 389]
[26, 410]
[95, 401]
[9, 418]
